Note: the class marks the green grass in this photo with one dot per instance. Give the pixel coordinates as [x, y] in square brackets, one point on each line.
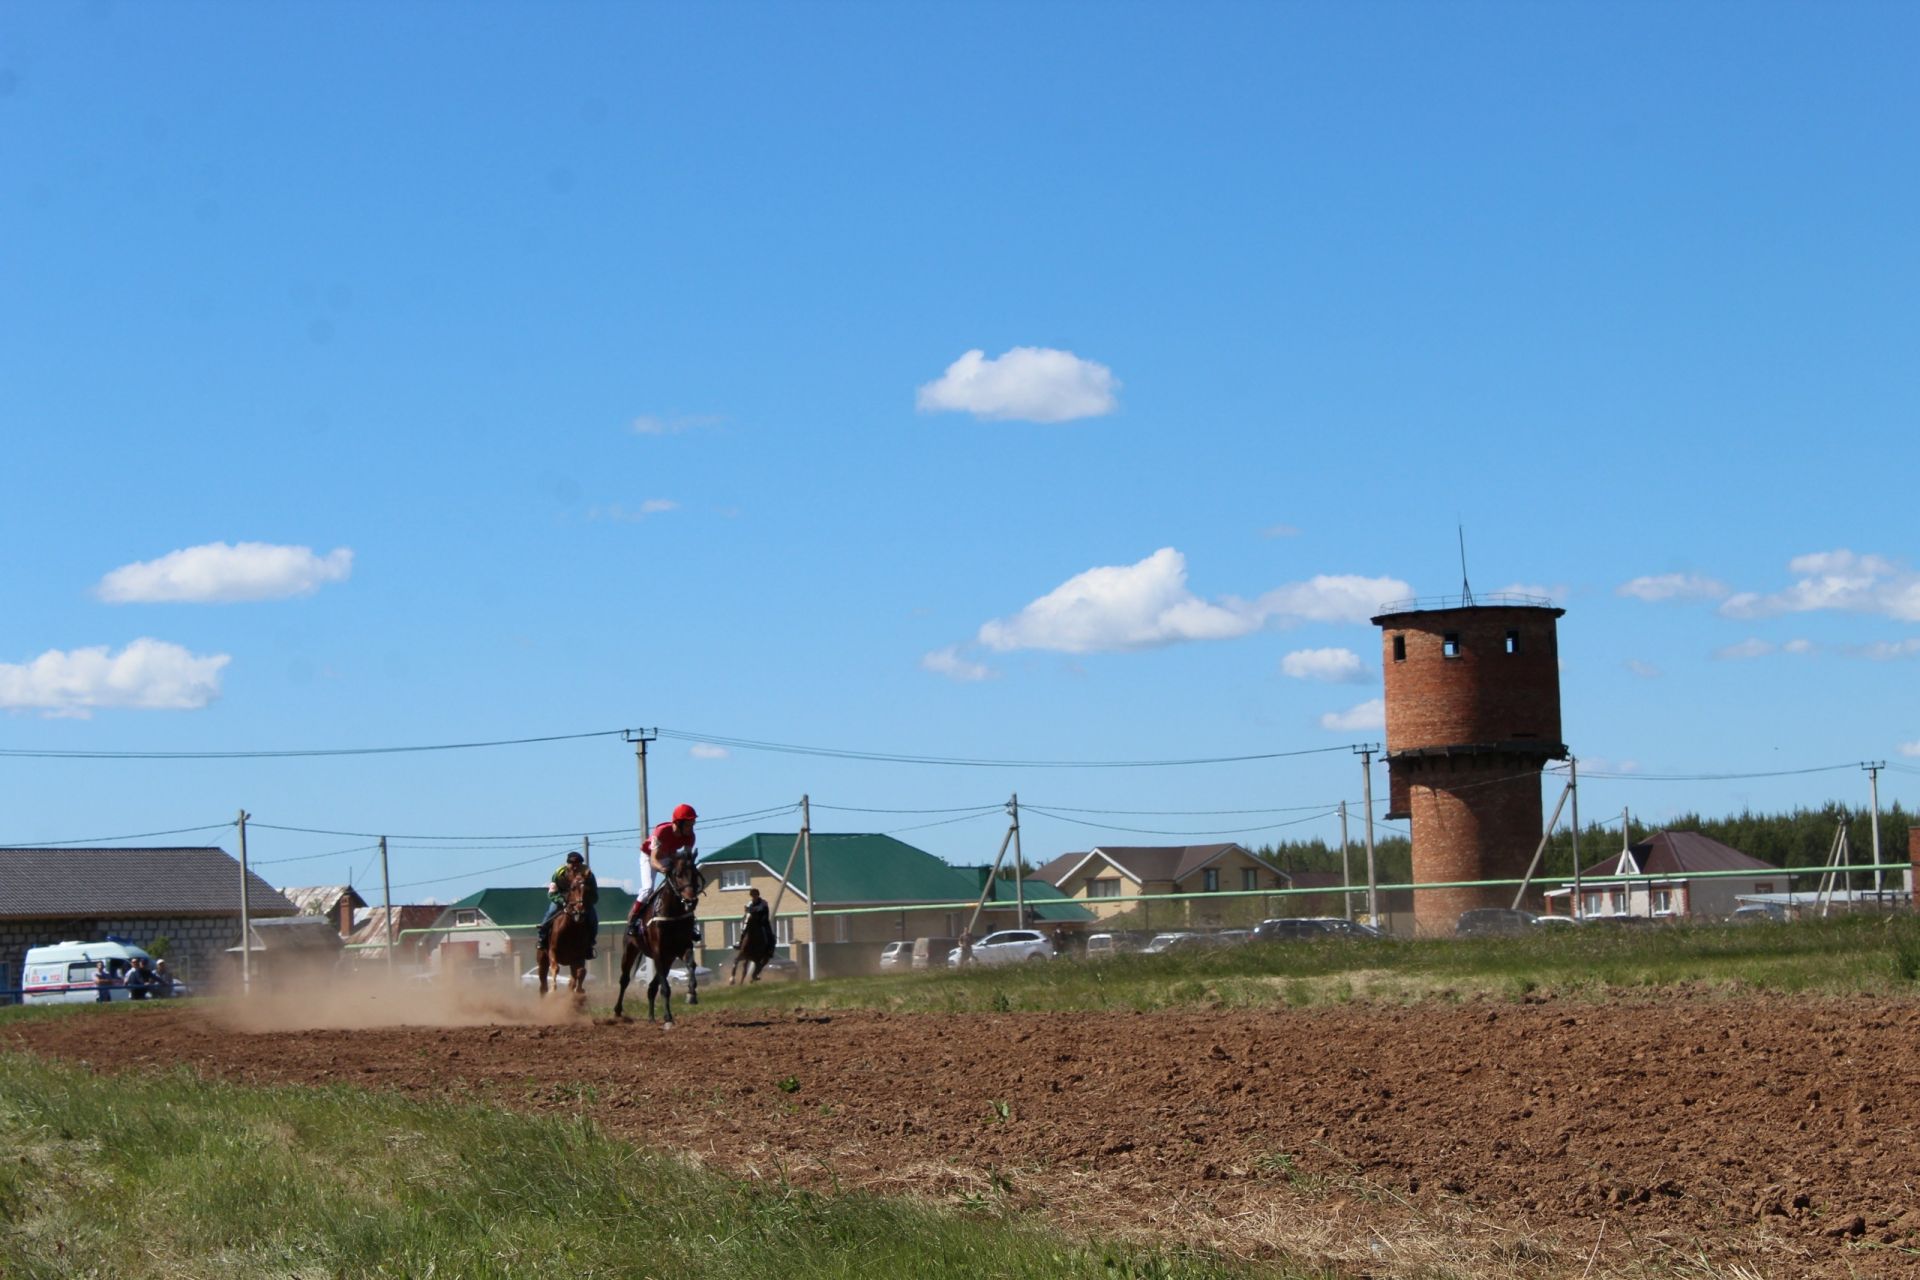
[135, 1176]
[1847, 954]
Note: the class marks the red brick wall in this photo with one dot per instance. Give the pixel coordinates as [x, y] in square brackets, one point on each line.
[1474, 818]
[1484, 696]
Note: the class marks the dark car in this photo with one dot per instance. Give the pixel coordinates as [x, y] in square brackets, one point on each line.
[1292, 929]
[1494, 922]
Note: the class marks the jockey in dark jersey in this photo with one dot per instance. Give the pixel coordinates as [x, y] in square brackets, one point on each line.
[756, 922]
[559, 887]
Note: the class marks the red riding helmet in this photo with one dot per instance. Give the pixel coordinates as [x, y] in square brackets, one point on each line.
[684, 813]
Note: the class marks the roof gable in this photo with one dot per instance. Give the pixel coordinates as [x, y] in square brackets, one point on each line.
[76, 883]
[1174, 862]
[864, 868]
[520, 906]
[1666, 853]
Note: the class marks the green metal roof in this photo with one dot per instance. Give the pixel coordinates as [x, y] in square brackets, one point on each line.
[527, 906]
[857, 868]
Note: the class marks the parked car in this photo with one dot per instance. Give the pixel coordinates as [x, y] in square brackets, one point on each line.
[1172, 942]
[1290, 929]
[1758, 913]
[677, 978]
[1341, 927]
[1232, 937]
[1115, 943]
[1555, 922]
[927, 951]
[1007, 946]
[62, 973]
[896, 955]
[531, 978]
[1493, 922]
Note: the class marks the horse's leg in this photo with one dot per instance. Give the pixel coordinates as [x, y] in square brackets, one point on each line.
[693, 979]
[666, 997]
[540, 959]
[628, 956]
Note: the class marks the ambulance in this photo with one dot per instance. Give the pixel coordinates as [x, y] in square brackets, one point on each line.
[63, 973]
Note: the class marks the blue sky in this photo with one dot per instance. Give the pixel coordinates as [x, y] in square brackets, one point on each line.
[539, 370]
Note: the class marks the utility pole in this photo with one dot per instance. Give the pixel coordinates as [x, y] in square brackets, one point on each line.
[1019, 864]
[1346, 863]
[1373, 879]
[1573, 794]
[806, 849]
[386, 904]
[586, 851]
[1873, 768]
[640, 738]
[246, 916]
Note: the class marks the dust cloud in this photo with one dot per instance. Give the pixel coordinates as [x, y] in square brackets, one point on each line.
[321, 997]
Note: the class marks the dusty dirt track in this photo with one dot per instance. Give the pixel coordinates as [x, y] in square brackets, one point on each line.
[1762, 1136]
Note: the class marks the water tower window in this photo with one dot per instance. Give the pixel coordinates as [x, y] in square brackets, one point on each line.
[1513, 642]
[1399, 648]
[1450, 645]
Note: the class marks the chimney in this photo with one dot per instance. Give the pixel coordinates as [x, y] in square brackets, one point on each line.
[346, 913]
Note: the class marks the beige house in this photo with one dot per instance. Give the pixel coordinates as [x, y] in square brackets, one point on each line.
[1117, 883]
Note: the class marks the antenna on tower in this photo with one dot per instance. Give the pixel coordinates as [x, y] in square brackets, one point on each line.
[1466, 592]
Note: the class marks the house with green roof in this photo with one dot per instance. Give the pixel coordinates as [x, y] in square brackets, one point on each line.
[497, 925]
[899, 892]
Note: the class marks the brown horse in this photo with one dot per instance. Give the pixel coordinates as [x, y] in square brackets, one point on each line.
[755, 949]
[568, 943]
[666, 937]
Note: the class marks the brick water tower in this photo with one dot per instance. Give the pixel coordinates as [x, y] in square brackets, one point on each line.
[1473, 714]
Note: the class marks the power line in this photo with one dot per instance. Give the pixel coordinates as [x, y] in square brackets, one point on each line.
[965, 808]
[375, 835]
[965, 817]
[483, 871]
[1710, 777]
[1148, 831]
[309, 857]
[967, 762]
[138, 835]
[297, 754]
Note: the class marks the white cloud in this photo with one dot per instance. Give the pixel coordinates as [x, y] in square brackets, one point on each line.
[948, 662]
[1280, 531]
[1371, 714]
[1331, 666]
[148, 675]
[708, 751]
[1889, 650]
[1837, 580]
[1752, 648]
[1146, 605]
[1645, 670]
[217, 573]
[654, 506]
[1799, 647]
[1910, 749]
[1675, 586]
[632, 515]
[1558, 591]
[1031, 384]
[672, 424]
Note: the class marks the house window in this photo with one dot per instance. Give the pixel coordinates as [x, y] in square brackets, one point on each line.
[735, 877]
[1107, 887]
[843, 928]
[1663, 900]
[1249, 878]
[783, 930]
[1399, 648]
[1513, 642]
[461, 918]
[1763, 886]
[1210, 880]
[1450, 645]
[1619, 901]
[733, 933]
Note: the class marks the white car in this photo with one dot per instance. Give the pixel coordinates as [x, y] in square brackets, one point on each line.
[896, 955]
[1008, 946]
[531, 978]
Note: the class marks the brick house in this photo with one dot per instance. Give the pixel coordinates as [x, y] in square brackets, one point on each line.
[1675, 857]
[494, 928]
[189, 896]
[338, 902]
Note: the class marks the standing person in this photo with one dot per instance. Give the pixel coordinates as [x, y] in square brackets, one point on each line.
[559, 886]
[162, 980]
[966, 948]
[137, 978]
[103, 983]
[670, 840]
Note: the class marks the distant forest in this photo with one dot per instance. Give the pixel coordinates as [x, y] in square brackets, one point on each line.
[1801, 838]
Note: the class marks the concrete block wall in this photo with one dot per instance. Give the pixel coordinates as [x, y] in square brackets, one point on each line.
[196, 944]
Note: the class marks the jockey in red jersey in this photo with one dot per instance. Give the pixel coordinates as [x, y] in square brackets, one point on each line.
[670, 840]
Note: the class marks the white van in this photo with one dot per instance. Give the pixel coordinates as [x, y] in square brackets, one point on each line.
[63, 973]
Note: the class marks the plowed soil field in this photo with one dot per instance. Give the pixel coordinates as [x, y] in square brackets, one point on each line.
[1695, 1134]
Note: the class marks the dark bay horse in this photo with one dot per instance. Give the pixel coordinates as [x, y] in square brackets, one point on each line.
[665, 939]
[756, 948]
[568, 943]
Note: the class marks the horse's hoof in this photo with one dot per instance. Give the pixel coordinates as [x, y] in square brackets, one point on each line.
[693, 999]
[667, 1025]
